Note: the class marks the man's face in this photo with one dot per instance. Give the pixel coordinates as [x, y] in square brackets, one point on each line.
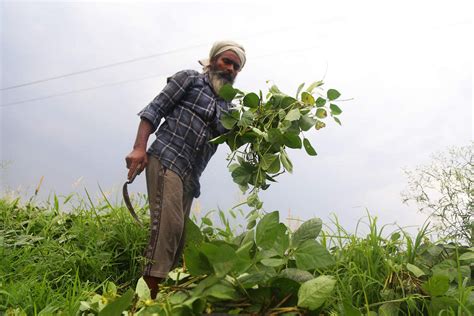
[227, 66]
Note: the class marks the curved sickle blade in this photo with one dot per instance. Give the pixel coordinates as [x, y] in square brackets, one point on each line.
[126, 198]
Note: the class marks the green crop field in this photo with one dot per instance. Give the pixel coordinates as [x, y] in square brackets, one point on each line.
[88, 262]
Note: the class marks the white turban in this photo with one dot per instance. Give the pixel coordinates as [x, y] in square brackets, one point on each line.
[222, 46]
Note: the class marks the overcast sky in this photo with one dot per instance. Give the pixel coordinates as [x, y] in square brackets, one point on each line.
[406, 65]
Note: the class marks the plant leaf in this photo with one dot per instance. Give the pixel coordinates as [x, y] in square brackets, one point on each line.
[333, 94]
[293, 115]
[291, 140]
[267, 160]
[273, 262]
[319, 125]
[274, 90]
[321, 113]
[287, 101]
[313, 293]
[306, 122]
[246, 119]
[196, 262]
[274, 167]
[275, 136]
[142, 289]
[468, 256]
[281, 241]
[415, 270]
[193, 233]
[227, 92]
[241, 175]
[309, 230]
[309, 149]
[389, 309]
[221, 256]
[206, 221]
[219, 139]
[299, 90]
[447, 268]
[267, 229]
[297, 275]
[335, 110]
[286, 161]
[437, 285]
[251, 100]
[349, 309]
[119, 305]
[221, 291]
[307, 98]
[311, 255]
[320, 102]
[228, 120]
[314, 85]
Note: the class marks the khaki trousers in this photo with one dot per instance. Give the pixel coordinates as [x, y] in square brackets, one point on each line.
[169, 210]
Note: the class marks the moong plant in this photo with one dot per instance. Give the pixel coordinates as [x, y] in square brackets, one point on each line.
[261, 129]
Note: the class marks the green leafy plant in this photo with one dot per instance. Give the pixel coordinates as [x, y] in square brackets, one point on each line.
[262, 129]
[87, 262]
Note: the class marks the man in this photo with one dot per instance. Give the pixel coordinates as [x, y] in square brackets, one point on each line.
[174, 162]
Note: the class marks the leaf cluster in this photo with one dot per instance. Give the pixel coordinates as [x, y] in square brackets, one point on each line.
[262, 129]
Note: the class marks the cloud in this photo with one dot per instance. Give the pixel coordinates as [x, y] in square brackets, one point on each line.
[408, 70]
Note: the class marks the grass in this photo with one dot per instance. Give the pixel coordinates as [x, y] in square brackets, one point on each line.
[51, 261]
[369, 270]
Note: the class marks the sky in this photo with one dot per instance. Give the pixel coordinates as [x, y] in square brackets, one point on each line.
[405, 68]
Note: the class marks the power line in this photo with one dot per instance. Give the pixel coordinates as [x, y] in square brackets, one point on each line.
[78, 91]
[103, 67]
[139, 79]
[253, 35]
[119, 63]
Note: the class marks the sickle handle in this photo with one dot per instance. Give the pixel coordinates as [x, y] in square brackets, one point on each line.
[135, 174]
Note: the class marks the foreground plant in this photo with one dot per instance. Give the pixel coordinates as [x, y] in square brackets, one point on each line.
[87, 262]
[272, 271]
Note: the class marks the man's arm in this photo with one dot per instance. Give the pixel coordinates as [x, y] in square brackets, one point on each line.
[138, 157]
[152, 114]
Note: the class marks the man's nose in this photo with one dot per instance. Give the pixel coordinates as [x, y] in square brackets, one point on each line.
[230, 68]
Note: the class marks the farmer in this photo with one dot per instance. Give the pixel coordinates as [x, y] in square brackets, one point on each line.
[191, 107]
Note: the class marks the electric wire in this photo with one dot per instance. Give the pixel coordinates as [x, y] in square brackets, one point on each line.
[103, 67]
[169, 52]
[138, 79]
[80, 90]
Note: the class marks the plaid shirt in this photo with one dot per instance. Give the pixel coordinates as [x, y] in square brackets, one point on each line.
[191, 111]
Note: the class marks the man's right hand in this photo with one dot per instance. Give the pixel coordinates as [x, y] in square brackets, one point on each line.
[136, 160]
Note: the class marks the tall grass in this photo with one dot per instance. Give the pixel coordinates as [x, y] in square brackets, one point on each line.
[370, 270]
[51, 260]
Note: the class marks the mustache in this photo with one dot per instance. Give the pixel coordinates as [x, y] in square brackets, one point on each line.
[223, 75]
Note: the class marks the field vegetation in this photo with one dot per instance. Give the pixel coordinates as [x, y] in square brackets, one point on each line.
[88, 262]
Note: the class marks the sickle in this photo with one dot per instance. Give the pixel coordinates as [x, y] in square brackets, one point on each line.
[126, 197]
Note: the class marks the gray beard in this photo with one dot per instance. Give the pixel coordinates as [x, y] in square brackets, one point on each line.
[218, 79]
